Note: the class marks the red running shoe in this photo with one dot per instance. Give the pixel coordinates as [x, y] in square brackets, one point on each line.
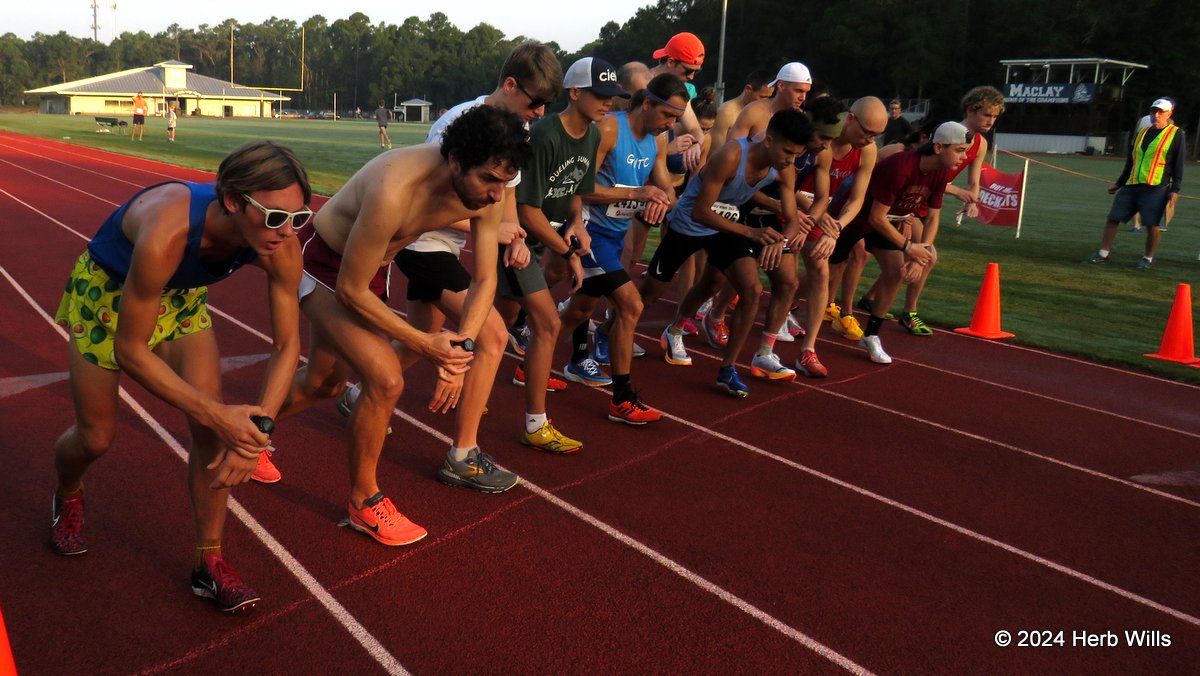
[715, 332]
[632, 412]
[215, 579]
[66, 526]
[552, 384]
[380, 519]
[266, 472]
[809, 365]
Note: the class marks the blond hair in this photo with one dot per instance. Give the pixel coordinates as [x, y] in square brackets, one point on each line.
[983, 96]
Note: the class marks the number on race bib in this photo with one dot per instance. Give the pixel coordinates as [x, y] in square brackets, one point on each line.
[726, 210]
[624, 210]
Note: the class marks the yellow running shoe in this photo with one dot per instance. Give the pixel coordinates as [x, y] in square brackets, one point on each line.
[832, 312]
[551, 440]
[848, 327]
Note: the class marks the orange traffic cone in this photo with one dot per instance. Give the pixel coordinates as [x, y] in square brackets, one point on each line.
[1177, 344]
[985, 323]
[7, 666]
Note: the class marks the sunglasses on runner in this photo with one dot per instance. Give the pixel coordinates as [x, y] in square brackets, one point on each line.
[534, 102]
[277, 218]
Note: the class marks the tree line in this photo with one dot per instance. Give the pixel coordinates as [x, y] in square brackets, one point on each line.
[905, 48]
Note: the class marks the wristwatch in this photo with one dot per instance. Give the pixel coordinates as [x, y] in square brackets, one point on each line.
[265, 424]
[571, 249]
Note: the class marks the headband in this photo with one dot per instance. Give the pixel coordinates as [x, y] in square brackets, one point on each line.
[662, 102]
[831, 130]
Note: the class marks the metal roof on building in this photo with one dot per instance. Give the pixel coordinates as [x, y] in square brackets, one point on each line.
[149, 80]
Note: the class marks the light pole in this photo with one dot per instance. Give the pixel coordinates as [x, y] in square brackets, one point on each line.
[720, 86]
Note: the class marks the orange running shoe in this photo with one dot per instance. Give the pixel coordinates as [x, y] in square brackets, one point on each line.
[552, 384]
[266, 472]
[632, 412]
[380, 519]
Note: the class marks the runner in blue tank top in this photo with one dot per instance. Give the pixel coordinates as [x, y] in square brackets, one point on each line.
[136, 303]
[632, 179]
[706, 218]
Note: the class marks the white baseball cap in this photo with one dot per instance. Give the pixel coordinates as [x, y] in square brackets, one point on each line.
[1164, 104]
[950, 134]
[793, 72]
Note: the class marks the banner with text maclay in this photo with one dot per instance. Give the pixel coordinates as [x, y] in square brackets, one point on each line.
[1000, 196]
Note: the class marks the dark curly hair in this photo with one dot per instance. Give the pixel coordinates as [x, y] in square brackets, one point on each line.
[824, 110]
[790, 125]
[486, 133]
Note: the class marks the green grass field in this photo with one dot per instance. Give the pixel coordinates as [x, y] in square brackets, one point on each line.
[1112, 314]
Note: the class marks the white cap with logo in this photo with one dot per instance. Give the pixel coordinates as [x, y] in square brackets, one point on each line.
[950, 134]
[1164, 104]
[793, 72]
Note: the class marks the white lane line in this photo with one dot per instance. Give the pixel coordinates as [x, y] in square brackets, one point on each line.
[74, 166]
[339, 612]
[970, 435]
[118, 164]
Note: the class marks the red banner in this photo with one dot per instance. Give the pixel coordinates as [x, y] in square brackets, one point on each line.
[1000, 196]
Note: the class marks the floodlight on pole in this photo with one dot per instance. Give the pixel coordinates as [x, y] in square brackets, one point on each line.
[720, 86]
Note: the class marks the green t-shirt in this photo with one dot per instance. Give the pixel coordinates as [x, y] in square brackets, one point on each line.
[562, 167]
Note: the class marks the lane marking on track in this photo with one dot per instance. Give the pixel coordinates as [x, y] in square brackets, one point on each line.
[75, 166]
[1188, 478]
[1083, 577]
[293, 565]
[18, 384]
[234, 363]
[123, 165]
[970, 435]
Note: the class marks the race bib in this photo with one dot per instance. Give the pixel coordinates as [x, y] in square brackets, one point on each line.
[624, 210]
[726, 210]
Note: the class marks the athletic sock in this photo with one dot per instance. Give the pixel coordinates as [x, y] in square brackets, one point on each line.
[1104, 253]
[460, 454]
[67, 495]
[622, 388]
[206, 547]
[1149, 259]
[767, 346]
[873, 325]
[676, 327]
[534, 422]
[579, 343]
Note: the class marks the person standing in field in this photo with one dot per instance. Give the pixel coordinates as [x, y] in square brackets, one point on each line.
[1149, 184]
[139, 117]
[172, 118]
[382, 115]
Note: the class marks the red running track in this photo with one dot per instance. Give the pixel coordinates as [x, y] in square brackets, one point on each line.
[887, 519]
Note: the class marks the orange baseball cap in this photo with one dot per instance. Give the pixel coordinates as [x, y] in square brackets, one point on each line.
[685, 48]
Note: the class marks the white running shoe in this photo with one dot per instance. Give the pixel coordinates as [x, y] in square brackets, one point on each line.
[793, 326]
[638, 350]
[673, 350]
[785, 336]
[703, 310]
[874, 349]
[768, 366]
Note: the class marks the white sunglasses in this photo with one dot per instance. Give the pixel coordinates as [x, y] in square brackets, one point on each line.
[277, 218]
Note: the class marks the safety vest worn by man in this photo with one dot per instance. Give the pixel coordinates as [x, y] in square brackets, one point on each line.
[1150, 162]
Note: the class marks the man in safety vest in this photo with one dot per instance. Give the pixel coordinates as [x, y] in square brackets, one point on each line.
[1149, 184]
